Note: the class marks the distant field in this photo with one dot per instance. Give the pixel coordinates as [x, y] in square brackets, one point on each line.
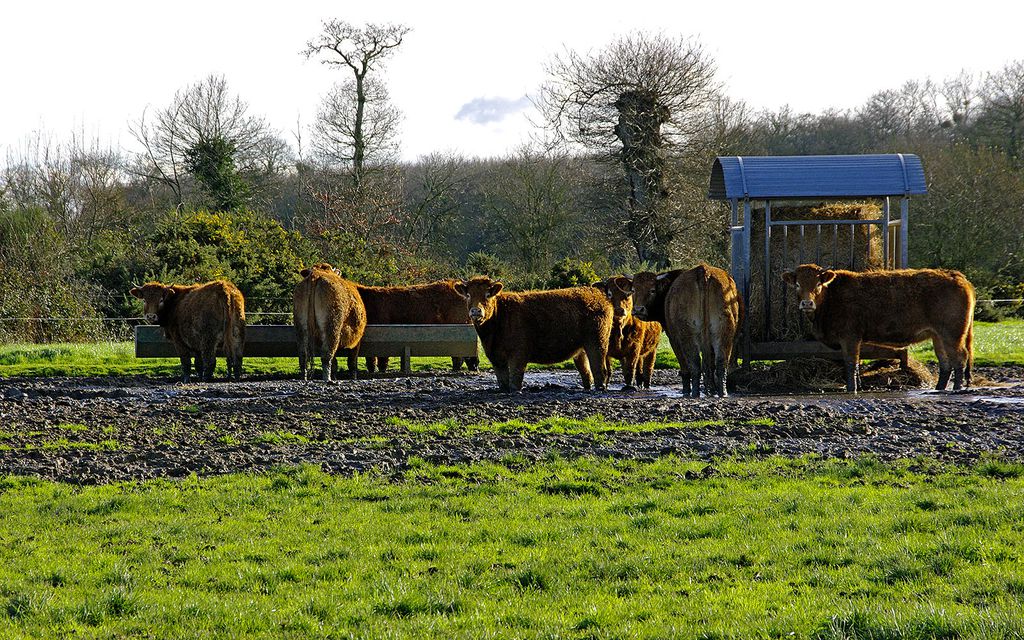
[994, 344]
[778, 548]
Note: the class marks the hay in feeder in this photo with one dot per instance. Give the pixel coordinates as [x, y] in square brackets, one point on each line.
[814, 375]
[857, 247]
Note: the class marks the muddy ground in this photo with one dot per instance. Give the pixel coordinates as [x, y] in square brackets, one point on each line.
[97, 430]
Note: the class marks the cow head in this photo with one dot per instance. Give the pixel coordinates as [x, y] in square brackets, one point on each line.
[811, 282]
[648, 287]
[619, 291]
[480, 293]
[154, 296]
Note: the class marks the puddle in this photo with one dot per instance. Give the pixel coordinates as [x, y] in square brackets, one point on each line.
[1009, 401]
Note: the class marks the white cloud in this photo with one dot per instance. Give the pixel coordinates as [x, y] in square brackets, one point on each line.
[488, 110]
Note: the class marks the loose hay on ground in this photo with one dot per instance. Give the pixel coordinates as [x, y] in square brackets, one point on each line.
[820, 374]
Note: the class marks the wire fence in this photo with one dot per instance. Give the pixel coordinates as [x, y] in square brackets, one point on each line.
[92, 329]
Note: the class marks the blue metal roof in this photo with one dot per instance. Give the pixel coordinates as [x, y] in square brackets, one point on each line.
[783, 177]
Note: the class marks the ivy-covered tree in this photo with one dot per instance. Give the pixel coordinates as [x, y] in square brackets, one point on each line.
[212, 163]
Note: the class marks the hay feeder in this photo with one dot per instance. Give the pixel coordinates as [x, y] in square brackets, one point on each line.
[832, 210]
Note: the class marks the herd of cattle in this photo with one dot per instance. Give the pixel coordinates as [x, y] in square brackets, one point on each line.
[699, 309]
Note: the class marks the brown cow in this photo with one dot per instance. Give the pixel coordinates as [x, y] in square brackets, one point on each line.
[543, 327]
[700, 310]
[890, 309]
[329, 316]
[433, 303]
[198, 319]
[632, 340]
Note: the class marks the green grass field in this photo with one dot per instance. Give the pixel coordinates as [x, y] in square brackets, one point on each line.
[585, 549]
[994, 344]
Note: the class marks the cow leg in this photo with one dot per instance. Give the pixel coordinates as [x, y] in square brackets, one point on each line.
[202, 365]
[586, 376]
[501, 373]
[961, 365]
[958, 363]
[648, 368]
[382, 364]
[851, 358]
[596, 356]
[723, 356]
[629, 362]
[186, 367]
[371, 364]
[456, 364]
[945, 367]
[327, 365]
[353, 364]
[695, 373]
[691, 360]
[721, 365]
[609, 366]
[516, 370]
[473, 364]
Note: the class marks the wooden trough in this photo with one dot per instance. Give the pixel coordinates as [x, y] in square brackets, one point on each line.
[403, 341]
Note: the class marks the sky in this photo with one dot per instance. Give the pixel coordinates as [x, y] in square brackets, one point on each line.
[464, 74]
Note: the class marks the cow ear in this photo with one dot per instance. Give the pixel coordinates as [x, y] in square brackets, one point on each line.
[305, 273]
[137, 292]
[494, 290]
[827, 276]
[460, 288]
[601, 286]
[789, 277]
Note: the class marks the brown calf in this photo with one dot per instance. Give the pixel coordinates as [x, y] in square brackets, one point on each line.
[632, 340]
[329, 316]
[700, 310]
[198, 319]
[543, 327]
[433, 303]
[892, 309]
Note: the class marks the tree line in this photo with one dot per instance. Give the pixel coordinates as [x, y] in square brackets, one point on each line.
[615, 180]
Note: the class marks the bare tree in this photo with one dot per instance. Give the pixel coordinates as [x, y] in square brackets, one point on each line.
[434, 188]
[531, 205]
[898, 114]
[648, 93]
[361, 50]
[336, 129]
[1001, 121]
[78, 184]
[202, 114]
[960, 96]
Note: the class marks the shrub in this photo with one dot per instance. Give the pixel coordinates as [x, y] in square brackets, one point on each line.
[485, 264]
[572, 272]
[247, 248]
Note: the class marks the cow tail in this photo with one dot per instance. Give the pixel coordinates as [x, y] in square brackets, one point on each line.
[234, 334]
[703, 278]
[969, 343]
[312, 328]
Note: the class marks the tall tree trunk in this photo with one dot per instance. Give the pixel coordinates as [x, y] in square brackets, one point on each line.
[643, 160]
[358, 143]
